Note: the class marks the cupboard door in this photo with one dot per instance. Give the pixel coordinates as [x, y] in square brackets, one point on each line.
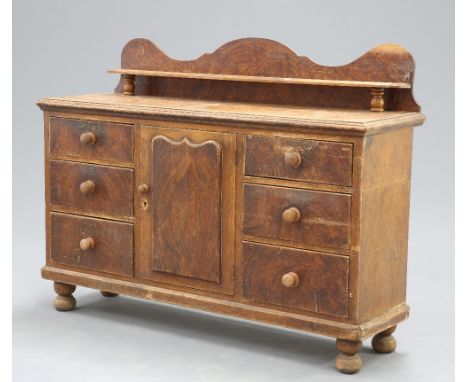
[187, 235]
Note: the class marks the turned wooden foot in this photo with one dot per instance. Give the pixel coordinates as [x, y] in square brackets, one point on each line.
[109, 294]
[348, 361]
[64, 300]
[384, 342]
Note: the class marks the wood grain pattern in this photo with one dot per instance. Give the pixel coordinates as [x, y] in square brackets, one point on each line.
[321, 162]
[112, 194]
[267, 58]
[263, 57]
[323, 279]
[204, 179]
[259, 184]
[324, 216]
[111, 253]
[113, 141]
[385, 196]
[186, 185]
[235, 116]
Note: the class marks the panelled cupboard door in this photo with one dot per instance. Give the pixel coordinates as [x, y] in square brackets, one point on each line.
[185, 183]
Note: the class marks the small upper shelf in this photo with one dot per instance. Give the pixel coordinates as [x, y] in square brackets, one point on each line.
[262, 71]
[261, 79]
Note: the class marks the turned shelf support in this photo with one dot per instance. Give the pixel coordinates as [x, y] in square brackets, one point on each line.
[129, 84]
[377, 102]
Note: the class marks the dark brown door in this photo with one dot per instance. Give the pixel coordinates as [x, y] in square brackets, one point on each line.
[185, 192]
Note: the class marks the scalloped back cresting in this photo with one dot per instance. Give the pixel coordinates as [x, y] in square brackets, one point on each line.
[264, 71]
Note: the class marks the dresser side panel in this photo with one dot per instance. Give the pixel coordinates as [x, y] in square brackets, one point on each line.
[385, 196]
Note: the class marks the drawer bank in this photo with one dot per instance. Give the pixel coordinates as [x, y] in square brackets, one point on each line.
[249, 182]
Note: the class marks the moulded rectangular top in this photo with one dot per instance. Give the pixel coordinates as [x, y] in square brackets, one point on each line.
[346, 121]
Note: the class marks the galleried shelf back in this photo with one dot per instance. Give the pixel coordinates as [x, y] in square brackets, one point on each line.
[250, 182]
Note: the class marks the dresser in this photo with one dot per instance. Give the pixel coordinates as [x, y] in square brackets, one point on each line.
[250, 182]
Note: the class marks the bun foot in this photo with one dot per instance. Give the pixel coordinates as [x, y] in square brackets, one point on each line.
[64, 302]
[348, 361]
[109, 294]
[384, 342]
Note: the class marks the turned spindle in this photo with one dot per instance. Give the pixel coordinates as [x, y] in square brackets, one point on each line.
[64, 301]
[377, 99]
[129, 84]
[348, 361]
[384, 342]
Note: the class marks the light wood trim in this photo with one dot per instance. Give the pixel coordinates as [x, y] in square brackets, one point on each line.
[294, 245]
[102, 162]
[134, 108]
[260, 79]
[298, 184]
[91, 214]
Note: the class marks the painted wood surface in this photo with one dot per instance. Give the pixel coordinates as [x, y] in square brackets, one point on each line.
[186, 183]
[111, 251]
[324, 218]
[317, 161]
[89, 187]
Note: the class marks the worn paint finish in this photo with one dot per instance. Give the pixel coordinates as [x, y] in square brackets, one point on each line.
[248, 196]
[186, 184]
[323, 278]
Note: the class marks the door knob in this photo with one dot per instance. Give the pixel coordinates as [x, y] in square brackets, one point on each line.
[143, 188]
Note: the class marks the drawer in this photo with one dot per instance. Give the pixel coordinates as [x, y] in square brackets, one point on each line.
[298, 159]
[88, 187]
[296, 279]
[303, 216]
[93, 244]
[91, 140]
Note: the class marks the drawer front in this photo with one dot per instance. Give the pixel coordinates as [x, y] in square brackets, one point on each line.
[91, 140]
[297, 159]
[93, 244]
[296, 279]
[303, 216]
[93, 188]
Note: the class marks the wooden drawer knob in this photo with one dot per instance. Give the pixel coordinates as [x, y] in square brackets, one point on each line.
[86, 243]
[290, 280]
[87, 187]
[292, 158]
[143, 188]
[291, 215]
[87, 138]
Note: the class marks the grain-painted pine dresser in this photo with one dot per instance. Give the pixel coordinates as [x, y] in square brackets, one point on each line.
[250, 182]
